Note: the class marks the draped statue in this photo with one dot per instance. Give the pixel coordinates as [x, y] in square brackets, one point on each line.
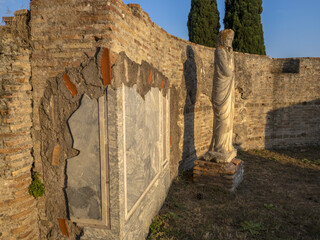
[221, 149]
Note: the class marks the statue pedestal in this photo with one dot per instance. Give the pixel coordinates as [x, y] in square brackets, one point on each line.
[225, 175]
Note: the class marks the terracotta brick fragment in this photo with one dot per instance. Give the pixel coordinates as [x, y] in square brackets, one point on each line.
[106, 67]
[150, 77]
[162, 83]
[56, 155]
[64, 227]
[72, 88]
[236, 161]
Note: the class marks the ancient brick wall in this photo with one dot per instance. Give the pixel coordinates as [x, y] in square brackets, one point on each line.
[61, 42]
[268, 90]
[64, 34]
[18, 212]
[280, 102]
[277, 100]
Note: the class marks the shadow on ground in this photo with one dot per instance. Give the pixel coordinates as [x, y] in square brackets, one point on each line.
[278, 199]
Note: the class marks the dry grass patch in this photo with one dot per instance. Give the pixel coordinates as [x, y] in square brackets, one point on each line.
[279, 198]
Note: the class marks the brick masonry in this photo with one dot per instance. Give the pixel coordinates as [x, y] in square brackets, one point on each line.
[226, 176]
[270, 93]
[18, 212]
[277, 100]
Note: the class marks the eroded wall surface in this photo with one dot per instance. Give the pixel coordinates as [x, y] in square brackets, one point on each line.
[70, 121]
[18, 212]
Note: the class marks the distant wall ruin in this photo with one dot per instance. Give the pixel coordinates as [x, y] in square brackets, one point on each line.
[277, 105]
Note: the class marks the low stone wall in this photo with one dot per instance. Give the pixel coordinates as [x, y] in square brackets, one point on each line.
[19, 215]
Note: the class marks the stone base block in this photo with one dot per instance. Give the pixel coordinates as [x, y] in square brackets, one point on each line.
[225, 175]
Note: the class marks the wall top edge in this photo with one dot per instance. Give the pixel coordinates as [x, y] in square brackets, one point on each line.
[313, 58]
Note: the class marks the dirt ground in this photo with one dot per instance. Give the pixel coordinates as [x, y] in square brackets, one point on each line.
[279, 198]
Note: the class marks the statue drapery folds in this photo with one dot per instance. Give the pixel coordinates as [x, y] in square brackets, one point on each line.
[221, 149]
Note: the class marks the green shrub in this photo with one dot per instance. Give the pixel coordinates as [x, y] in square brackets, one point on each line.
[36, 188]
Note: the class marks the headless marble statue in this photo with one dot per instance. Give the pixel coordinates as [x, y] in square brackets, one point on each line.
[221, 149]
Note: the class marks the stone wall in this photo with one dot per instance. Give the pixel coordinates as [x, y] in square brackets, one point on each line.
[18, 212]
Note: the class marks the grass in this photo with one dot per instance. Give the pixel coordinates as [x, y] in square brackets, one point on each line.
[251, 227]
[279, 198]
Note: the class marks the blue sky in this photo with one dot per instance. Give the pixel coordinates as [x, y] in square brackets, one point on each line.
[291, 27]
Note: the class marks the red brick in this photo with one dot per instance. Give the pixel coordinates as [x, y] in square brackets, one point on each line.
[150, 77]
[162, 83]
[64, 227]
[106, 67]
[71, 87]
[236, 161]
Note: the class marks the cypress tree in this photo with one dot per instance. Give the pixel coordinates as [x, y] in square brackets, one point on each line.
[203, 22]
[244, 18]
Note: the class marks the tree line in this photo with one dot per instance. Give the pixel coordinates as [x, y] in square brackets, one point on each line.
[242, 16]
